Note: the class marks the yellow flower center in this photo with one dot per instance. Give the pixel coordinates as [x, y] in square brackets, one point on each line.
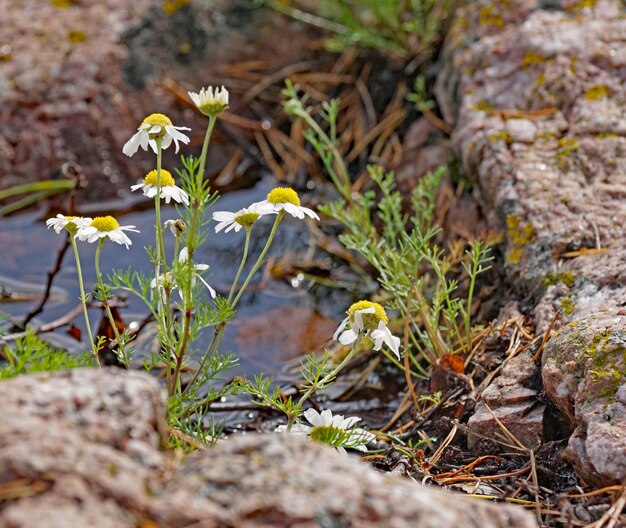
[370, 320]
[247, 219]
[157, 119]
[166, 178]
[105, 223]
[283, 195]
[70, 218]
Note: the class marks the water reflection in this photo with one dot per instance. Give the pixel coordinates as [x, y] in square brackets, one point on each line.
[276, 319]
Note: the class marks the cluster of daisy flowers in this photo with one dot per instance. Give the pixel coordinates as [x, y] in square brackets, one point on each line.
[365, 319]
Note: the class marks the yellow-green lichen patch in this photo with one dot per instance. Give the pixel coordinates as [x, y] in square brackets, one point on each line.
[606, 135]
[519, 237]
[488, 16]
[597, 91]
[544, 135]
[577, 7]
[532, 58]
[483, 106]
[500, 136]
[75, 36]
[171, 6]
[607, 355]
[62, 4]
[566, 277]
[567, 305]
[566, 147]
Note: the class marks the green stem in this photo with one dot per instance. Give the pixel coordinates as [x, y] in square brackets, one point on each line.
[157, 211]
[243, 262]
[205, 147]
[83, 299]
[260, 259]
[325, 380]
[213, 346]
[344, 186]
[175, 382]
[105, 302]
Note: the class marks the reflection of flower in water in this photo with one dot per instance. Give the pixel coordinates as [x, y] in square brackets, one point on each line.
[275, 330]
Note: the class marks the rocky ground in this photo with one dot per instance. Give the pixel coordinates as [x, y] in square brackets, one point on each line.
[85, 448]
[538, 102]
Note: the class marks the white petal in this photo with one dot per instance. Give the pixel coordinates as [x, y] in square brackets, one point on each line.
[358, 318]
[264, 207]
[223, 216]
[224, 224]
[341, 327]
[349, 422]
[149, 191]
[117, 235]
[293, 210]
[319, 419]
[131, 146]
[383, 334]
[310, 213]
[348, 337]
[173, 133]
[211, 290]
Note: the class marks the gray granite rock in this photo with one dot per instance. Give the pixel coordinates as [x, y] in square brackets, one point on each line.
[537, 98]
[84, 448]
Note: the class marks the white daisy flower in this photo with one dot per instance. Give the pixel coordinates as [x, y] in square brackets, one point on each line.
[169, 190]
[168, 278]
[336, 431]
[105, 227]
[367, 318]
[153, 127]
[71, 223]
[243, 218]
[209, 102]
[285, 199]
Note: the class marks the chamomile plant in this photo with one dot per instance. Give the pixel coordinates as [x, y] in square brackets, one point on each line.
[178, 293]
[419, 278]
[364, 326]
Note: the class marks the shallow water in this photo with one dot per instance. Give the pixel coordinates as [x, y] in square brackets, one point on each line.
[279, 321]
